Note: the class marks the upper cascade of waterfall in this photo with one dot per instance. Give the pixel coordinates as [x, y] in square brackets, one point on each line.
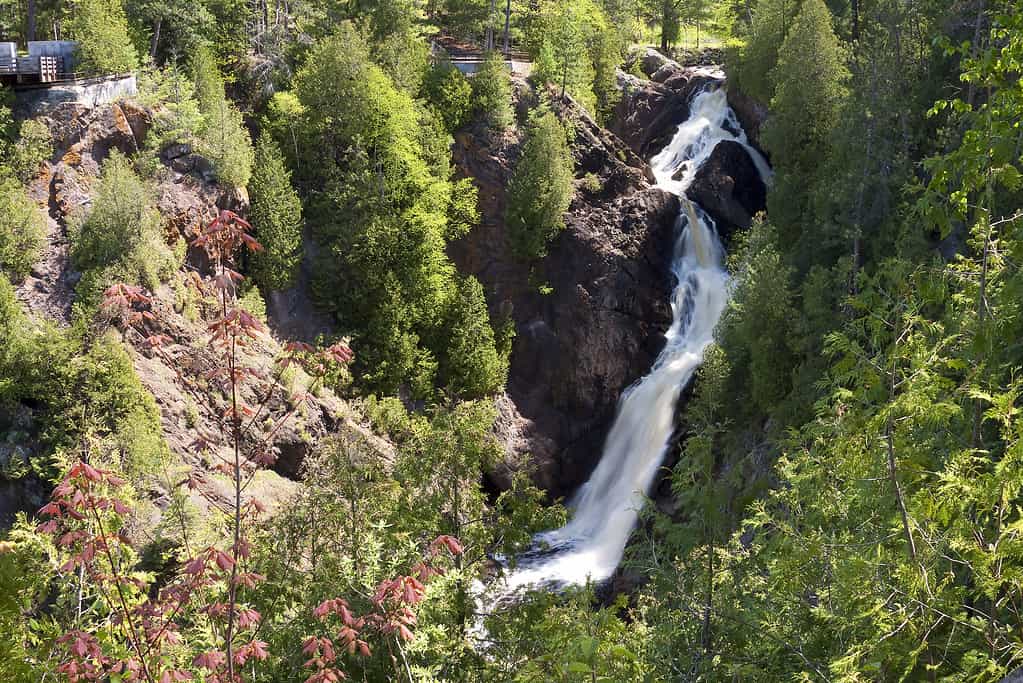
[606, 508]
[710, 121]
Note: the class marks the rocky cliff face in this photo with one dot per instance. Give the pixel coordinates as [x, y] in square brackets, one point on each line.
[187, 199]
[589, 316]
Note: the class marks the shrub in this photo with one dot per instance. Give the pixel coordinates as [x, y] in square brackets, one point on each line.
[251, 301]
[22, 230]
[78, 385]
[119, 238]
[491, 92]
[541, 188]
[277, 217]
[33, 146]
[22, 147]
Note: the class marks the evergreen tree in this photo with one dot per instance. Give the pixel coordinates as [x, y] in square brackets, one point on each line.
[101, 29]
[541, 188]
[119, 237]
[469, 19]
[562, 57]
[386, 208]
[491, 92]
[450, 92]
[805, 109]
[168, 29]
[473, 365]
[223, 137]
[772, 20]
[576, 48]
[276, 217]
[209, 84]
[756, 328]
[398, 45]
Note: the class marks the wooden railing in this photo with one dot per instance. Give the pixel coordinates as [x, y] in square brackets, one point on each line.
[47, 69]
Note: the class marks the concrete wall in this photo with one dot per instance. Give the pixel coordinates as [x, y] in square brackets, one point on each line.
[34, 100]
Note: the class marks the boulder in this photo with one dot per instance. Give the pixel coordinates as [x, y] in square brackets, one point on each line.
[651, 61]
[729, 188]
[175, 151]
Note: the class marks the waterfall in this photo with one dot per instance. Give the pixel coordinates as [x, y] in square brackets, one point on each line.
[605, 509]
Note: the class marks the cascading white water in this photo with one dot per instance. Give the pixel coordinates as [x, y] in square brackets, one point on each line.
[606, 508]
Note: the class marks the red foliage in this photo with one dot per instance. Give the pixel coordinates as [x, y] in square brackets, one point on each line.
[85, 513]
[393, 616]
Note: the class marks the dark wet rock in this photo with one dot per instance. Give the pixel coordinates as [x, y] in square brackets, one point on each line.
[589, 317]
[729, 188]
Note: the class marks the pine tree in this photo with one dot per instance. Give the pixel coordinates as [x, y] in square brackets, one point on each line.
[563, 59]
[101, 29]
[755, 329]
[811, 80]
[491, 92]
[223, 138]
[450, 92]
[276, 216]
[473, 366]
[772, 20]
[576, 48]
[209, 84]
[541, 188]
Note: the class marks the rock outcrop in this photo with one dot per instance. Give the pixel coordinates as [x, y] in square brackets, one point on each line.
[752, 114]
[649, 111]
[590, 316]
[729, 188]
[190, 405]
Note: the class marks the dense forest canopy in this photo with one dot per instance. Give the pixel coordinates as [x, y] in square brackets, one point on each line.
[846, 499]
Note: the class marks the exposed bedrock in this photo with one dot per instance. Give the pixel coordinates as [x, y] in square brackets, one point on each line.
[589, 316]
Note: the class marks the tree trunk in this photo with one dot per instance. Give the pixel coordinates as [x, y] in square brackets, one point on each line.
[564, 78]
[975, 47]
[30, 20]
[488, 42]
[154, 42]
[893, 474]
[507, 27]
[708, 605]
[978, 404]
[665, 18]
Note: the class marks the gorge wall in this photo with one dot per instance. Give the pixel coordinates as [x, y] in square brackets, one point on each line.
[589, 317]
